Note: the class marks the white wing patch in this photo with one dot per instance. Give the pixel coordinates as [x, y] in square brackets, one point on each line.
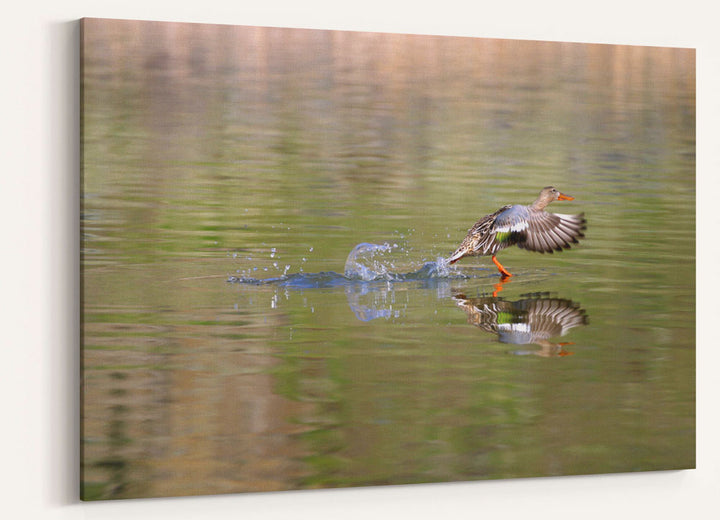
[515, 327]
[516, 227]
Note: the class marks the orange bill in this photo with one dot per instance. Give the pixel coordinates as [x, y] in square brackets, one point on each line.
[562, 196]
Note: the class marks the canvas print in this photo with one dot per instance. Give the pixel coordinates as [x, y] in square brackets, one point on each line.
[318, 259]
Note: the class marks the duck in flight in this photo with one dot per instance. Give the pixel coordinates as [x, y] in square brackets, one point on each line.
[528, 227]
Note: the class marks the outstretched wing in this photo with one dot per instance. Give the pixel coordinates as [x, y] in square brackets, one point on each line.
[551, 317]
[548, 232]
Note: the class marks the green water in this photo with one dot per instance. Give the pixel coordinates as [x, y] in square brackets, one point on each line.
[216, 154]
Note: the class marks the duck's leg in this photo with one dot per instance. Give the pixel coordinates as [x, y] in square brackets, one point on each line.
[502, 270]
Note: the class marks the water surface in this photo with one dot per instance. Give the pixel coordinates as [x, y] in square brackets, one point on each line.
[229, 342]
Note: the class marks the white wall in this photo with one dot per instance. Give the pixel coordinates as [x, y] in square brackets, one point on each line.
[38, 312]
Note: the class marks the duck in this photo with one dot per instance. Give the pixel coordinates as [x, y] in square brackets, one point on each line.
[528, 227]
[534, 319]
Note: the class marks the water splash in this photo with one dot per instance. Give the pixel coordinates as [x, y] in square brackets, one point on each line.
[371, 262]
[365, 263]
[370, 274]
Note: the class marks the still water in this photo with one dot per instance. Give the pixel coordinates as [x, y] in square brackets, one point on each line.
[265, 304]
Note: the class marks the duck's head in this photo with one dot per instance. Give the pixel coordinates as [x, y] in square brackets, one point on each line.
[548, 195]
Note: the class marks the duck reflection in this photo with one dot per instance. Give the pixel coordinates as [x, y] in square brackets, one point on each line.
[533, 319]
